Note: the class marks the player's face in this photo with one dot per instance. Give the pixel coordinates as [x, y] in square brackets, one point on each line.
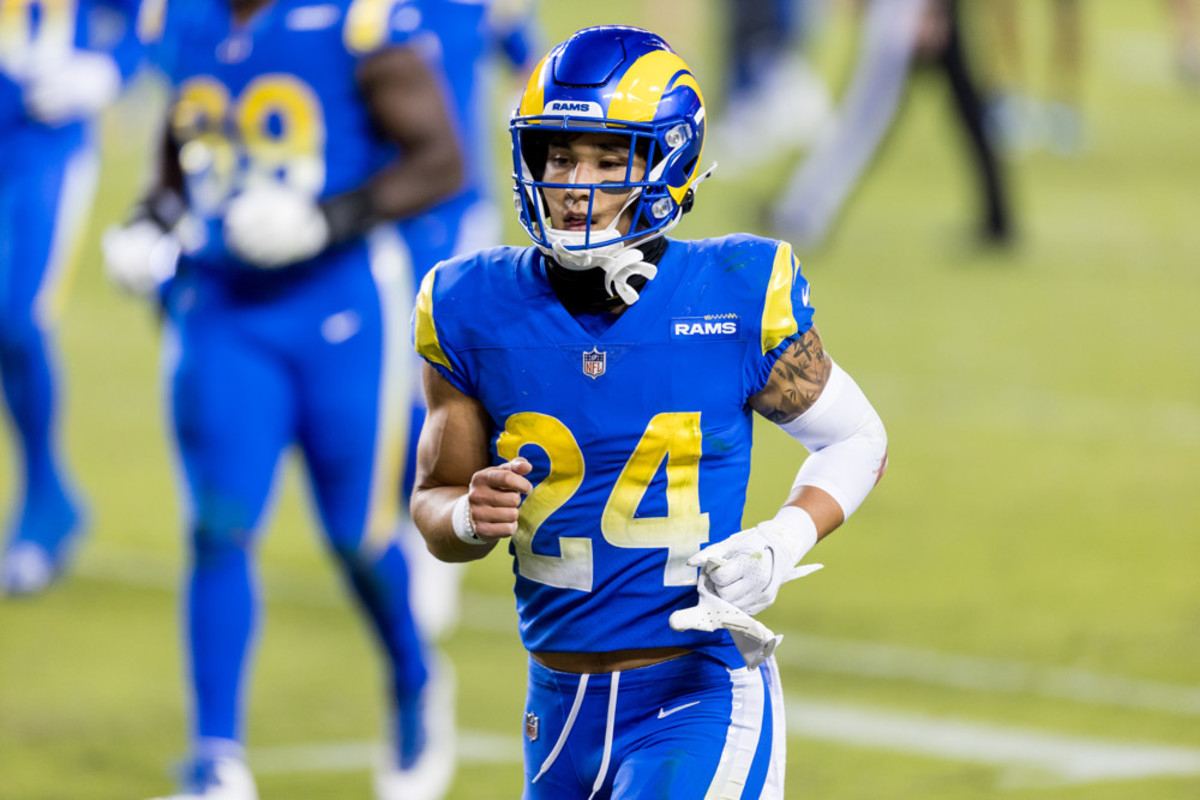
[590, 158]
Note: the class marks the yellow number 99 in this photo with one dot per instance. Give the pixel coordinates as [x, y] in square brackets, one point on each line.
[282, 128]
[275, 131]
[55, 30]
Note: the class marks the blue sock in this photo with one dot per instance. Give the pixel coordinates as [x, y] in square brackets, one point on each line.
[382, 588]
[222, 616]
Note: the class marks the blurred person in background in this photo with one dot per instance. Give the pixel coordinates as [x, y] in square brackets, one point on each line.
[897, 35]
[297, 135]
[774, 101]
[1185, 23]
[567, 419]
[61, 63]
[480, 40]
[1021, 120]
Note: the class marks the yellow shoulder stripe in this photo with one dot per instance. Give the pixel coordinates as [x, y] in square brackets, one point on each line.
[778, 321]
[425, 333]
[151, 18]
[367, 24]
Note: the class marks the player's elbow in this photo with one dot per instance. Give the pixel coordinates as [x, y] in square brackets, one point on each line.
[847, 441]
[875, 440]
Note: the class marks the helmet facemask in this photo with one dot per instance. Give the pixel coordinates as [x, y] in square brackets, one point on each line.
[648, 207]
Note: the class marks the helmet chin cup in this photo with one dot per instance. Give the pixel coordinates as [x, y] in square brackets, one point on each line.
[576, 250]
[619, 261]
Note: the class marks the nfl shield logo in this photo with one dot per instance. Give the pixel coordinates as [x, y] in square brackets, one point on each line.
[594, 362]
[531, 726]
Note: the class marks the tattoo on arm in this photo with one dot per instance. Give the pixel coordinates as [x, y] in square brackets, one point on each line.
[796, 380]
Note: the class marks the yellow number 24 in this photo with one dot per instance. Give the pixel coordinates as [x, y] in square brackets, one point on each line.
[674, 437]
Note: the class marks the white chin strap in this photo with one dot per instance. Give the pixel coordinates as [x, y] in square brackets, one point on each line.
[620, 261]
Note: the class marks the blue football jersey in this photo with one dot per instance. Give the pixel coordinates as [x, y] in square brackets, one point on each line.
[639, 433]
[29, 27]
[274, 98]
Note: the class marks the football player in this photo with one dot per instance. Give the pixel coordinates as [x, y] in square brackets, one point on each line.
[60, 64]
[297, 134]
[590, 404]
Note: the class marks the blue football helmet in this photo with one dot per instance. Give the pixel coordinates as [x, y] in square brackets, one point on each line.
[614, 80]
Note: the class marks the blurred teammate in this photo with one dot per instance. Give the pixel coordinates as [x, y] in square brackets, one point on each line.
[896, 35]
[477, 38]
[1185, 24]
[774, 100]
[1021, 119]
[60, 64]
[297, 133]
[590, 402]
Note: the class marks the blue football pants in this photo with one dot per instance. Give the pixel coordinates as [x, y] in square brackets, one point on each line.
[319, 363]
[686, 729]
[45, 199]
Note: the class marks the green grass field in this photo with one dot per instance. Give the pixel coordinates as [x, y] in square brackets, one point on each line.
[1015, 612]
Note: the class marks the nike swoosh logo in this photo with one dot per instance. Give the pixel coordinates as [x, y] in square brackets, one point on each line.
[664, 713]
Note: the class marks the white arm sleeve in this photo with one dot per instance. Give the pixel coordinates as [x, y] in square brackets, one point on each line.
[846, 439]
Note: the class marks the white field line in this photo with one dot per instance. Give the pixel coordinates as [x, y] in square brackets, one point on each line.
[801, 651]
[1024, 756]
[1138, 59]
[474, 747]
[1027, 756]
[846, 657]
[1032, 411]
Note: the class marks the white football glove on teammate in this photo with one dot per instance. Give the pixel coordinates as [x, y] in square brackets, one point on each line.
[75, 84]
[140, 256]
[272, 225]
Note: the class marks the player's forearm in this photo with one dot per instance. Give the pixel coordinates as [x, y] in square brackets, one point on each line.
[825, 512]
[433, 509]
[163, 200]
[419, 180]
[407, 104]
[407, 187]
[166, 176]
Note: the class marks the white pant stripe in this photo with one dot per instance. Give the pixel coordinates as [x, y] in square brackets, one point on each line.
[741, 742]
[391, 266]
[75, 197]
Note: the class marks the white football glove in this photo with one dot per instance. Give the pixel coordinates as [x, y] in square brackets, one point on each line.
[755, 641]
[748, 568]
[62, 86]
[139, 257]
[272, 226]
